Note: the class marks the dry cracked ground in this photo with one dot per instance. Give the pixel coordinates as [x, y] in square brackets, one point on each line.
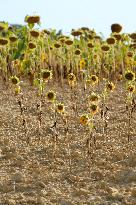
[32, 173]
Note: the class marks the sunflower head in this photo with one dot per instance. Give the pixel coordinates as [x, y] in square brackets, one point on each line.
[111, 41]
[90, 36]
[76, 33]
[46, 32]
[117, 36]
[90, 45]
[31, 45]
[51, 96]
[34, 33]
[69, 42]
[71, 77]
[97, 38]
[93, 79]
[95, 56]
[84, 119]
[84, 29]
[82, 64]
[93, 97]
[62, 40]
[105, 48]
[60, 108]
[3, 41]
[94, 108]
[130, 54]
[13, 38]
[116, 28]
[133, 45]
[57, 45]
[133, 36]
[46, 74]
[77, 52]
[110, 86]
[130, 75]
[32, 19]
[131, 88]
[15, 80]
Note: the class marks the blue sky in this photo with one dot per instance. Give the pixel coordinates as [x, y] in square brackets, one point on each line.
[63, 14]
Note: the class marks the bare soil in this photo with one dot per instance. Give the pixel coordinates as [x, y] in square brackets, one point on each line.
[32, 174]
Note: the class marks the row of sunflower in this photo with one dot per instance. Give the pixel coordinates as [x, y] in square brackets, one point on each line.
[27, 50]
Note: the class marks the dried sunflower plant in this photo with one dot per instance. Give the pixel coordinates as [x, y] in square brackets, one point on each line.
[20, 98]
[44, 76]
[108, 88]
[88, 120]
[130, 102]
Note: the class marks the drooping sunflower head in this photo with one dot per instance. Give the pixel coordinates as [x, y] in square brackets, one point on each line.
[76, 33]
[85, 29]
[3, 41]
[71, 77]
[68, 42]
[130, 54]
[95, 56]
[13, 38]
[111, 41]
[31, 45]
[93, 97]
[110, 86]
[34, 33]
[60, 108]
[46, 74]
[133, 36]
[117, 36]
[57, 45]
[131, 88]
[97, 38]
[51, 96]
[90, 45]
[84, 119]
[32, 19]
[77, 52]
[62, 40]
[14, 80]
[94, 108]
[116, 28]
[93, 79]
[105, 48]
[46, 31]
[132, 45]
[130, 75]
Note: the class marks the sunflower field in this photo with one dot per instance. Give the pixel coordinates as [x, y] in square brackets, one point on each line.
[68, 116]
